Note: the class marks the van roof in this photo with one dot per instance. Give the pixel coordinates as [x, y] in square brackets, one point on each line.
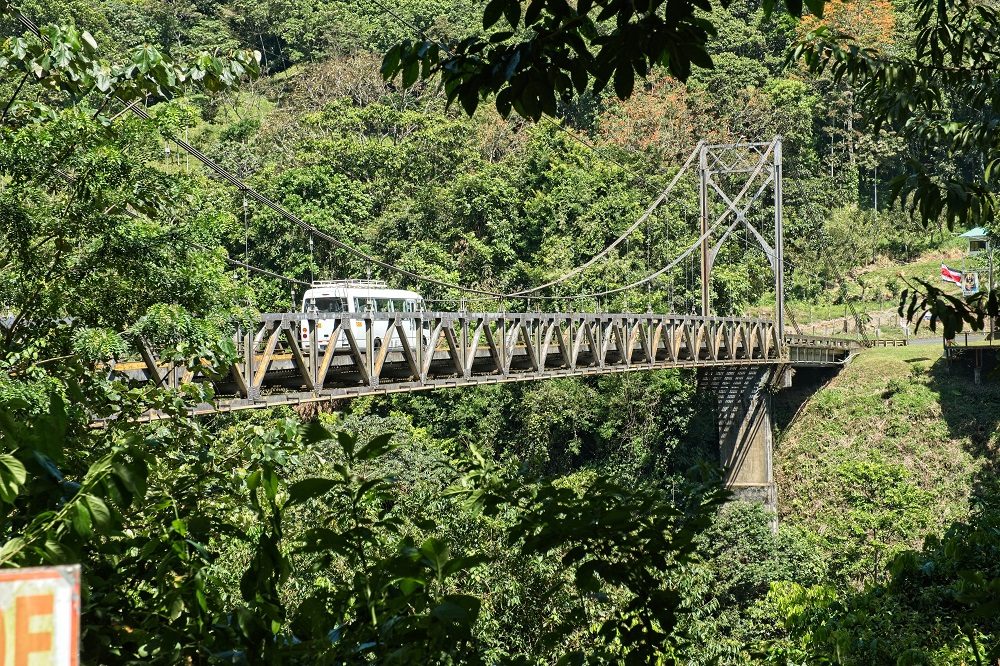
[362, 292]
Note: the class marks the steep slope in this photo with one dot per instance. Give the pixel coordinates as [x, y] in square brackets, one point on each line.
[888, 451]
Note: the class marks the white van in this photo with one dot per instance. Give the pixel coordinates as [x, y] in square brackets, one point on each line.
[359, 296]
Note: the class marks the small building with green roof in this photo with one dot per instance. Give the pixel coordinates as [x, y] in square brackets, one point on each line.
[979, 240]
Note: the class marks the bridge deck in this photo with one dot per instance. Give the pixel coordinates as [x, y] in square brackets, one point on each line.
[283, 364]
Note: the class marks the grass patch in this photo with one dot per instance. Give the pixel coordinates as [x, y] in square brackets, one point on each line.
[896, 443]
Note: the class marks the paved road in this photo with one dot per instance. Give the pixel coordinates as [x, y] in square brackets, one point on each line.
[977, 339]
[925, 341]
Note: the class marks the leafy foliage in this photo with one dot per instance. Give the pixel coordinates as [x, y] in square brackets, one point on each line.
[553, 49]
[508, 524]
[939, 605]
[952, 312]
[941, 99]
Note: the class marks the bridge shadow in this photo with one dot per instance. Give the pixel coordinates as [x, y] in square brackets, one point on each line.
[972, 414]
[787, 403]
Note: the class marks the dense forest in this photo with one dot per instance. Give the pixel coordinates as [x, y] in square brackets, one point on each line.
[564, 521]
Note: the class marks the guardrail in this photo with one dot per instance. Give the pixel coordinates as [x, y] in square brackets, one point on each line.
[891, 342]
[822, 341]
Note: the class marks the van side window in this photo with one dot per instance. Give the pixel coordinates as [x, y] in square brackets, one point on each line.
[324, 304]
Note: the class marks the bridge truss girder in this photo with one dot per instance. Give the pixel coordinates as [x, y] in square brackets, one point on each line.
[459, 349]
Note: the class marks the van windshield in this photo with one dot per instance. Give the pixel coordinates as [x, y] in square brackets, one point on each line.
[325, 304]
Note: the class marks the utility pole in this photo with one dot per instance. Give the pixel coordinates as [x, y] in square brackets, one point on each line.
[989, 261]
[876, 188]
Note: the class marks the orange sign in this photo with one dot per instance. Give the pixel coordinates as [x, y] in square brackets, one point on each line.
[40, 616]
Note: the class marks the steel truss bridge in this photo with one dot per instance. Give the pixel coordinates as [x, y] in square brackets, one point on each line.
[277, 367]
[739, 360]
[281, 363]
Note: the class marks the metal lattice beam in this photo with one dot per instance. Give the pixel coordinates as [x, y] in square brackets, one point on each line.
[282, 364]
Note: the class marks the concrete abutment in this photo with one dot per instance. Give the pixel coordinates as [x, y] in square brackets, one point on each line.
[745, 423]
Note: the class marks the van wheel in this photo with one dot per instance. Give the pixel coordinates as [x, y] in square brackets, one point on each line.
[377, 343]
[424, 337]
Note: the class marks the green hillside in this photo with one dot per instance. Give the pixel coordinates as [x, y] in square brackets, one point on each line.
[893, 448]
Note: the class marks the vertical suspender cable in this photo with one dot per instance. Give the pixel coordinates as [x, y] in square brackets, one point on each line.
[312, 278]
[246, 240]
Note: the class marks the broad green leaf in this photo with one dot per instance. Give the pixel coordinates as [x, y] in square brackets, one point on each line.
[99, 511]
[81, 520]
[13, 468]
[307, 489]
[377, 447]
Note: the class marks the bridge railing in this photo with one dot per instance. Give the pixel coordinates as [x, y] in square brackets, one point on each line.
[822, 341]
[886, 342]
[817, 350]
[324, 355]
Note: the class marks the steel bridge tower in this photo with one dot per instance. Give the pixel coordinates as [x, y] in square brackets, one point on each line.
[755, 169]
[741, 176]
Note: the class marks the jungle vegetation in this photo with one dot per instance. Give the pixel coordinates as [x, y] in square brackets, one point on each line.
[497, 144]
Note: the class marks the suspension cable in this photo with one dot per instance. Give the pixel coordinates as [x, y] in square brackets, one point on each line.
[309, 228]
[230, 178]
[638, 283]
[693, 246]
[635, 225]
[247, 190]
[242, 264]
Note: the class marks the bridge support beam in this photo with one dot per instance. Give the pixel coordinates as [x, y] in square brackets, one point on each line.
[745, 426]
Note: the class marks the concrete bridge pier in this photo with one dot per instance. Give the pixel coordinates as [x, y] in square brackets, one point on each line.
[745, 426]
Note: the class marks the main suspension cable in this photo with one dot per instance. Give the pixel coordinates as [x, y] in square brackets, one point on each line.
[247, 190]
[705, 236]
[652, 276]
[233, 180]
[635, 225]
